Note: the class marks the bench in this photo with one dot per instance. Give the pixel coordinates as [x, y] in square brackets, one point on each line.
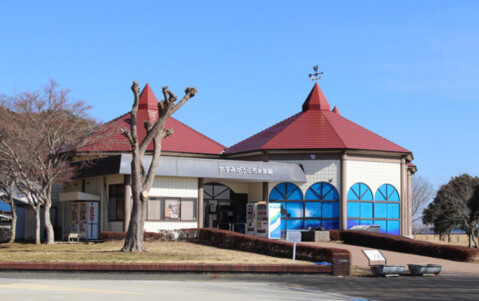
[73, 237]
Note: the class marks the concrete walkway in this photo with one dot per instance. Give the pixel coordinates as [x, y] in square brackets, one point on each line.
[449, 267]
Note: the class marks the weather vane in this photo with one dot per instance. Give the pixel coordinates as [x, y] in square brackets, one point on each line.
[316, 75]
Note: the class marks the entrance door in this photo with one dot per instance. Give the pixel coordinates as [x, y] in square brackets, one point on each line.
[223, 208]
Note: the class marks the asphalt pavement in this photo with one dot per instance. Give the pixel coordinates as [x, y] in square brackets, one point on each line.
[211, 287]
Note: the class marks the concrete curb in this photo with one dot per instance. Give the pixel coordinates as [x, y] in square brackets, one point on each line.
[166, 267]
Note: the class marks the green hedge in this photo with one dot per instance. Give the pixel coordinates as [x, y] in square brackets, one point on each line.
[403, 244]
[249, 243]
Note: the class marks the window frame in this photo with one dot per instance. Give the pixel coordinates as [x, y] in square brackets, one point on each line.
[163, 201]
[120, 198]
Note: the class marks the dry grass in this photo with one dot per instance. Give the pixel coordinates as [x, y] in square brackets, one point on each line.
[158, 252]
[456, 239]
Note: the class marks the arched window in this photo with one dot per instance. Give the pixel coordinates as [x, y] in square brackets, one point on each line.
[360, 205]
[386, 209]
[321, 206]
[292, 206]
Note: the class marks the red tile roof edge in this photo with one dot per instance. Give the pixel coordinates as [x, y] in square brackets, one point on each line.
[405, 150]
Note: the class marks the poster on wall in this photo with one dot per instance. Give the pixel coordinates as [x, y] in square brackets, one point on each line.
[274, 216]
[172, 209]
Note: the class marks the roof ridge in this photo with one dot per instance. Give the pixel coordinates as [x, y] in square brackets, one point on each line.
[334, 130]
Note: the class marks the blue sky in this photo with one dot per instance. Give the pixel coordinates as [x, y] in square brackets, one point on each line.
[407, 70]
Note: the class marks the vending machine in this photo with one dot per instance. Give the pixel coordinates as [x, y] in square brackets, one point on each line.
[263, 220]
[85, 219]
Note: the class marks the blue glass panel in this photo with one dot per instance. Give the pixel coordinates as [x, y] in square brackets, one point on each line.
[367, 210]
[331, 224]
[283, 224]
[294, 209]
[360, 191]
[353, 209]
[366, 222]
[311, 196]
[5, 207]
[380, 210]
[275, 194]
[393, 227]
[352, 222]
[382, 224]
[381, 194]
[366, 195]
[393, 210]
[293, 192]
[329, 192]
[294, 224]
[330, 209]
[322, 191]
[353, 193]
[313, 223]
[312, 209]
[394, 196]
[387, 192]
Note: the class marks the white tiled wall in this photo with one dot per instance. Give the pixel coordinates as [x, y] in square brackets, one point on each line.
[317, 171]
[373, 174]
[175, 187]
[156, 226]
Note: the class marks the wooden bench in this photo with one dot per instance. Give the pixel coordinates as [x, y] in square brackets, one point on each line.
[73, 237]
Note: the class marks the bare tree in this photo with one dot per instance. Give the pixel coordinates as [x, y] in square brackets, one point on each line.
[142, 181]
[48, 127]
[422, 194]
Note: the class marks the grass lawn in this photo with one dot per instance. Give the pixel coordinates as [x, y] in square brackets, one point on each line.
[158, 252]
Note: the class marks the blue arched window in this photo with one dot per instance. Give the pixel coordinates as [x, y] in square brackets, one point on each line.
[387, 209]
[360, 205]
[321, 206]
[291, 199]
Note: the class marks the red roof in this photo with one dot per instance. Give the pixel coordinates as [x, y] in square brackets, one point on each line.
[184, 138]
[316, 127]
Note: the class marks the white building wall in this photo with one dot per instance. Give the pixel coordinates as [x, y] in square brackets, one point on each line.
[237, 187]
[316, 171]
[156, 226]
[373, 174]
[175, 187]
[255, 192]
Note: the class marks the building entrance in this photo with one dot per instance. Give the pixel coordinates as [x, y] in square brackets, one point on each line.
[223, 208]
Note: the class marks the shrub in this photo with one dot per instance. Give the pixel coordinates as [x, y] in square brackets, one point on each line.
[407, 245]
[5, 234]
[148, 236]
[236, 241]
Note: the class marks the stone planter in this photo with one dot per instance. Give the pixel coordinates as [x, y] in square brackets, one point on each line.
[424, 269]
[387, 270]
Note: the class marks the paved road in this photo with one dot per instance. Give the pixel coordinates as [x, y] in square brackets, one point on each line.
[211, 287]
[449, 267]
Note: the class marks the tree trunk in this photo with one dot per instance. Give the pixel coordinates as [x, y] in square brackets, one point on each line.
[14, 224]
[37, 225]
[134, 241]
[50, 235]
[449, 237]
[474, 240]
